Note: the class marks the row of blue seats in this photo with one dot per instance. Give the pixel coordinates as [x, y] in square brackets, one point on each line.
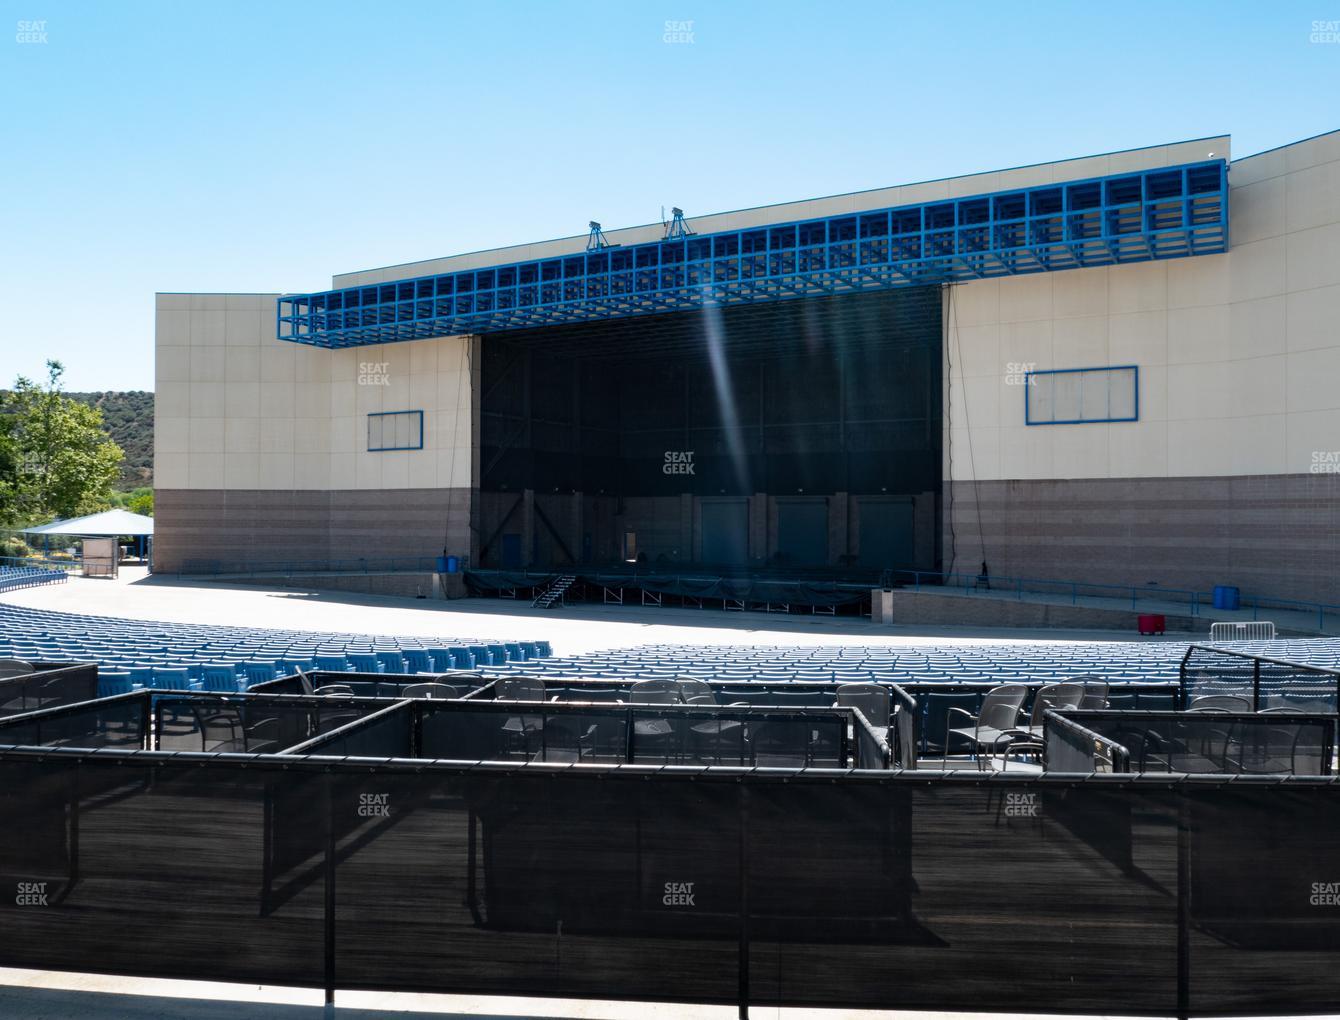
[240, 676]
[120, 645]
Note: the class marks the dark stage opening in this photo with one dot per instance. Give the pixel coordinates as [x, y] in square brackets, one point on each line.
[800, 436]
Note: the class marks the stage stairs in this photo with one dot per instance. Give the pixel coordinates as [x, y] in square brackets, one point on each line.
[553, 595]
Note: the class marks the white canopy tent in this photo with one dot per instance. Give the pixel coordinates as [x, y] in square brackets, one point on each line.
[100, 533]
[108, 524]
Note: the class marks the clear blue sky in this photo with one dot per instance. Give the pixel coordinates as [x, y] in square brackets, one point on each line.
[262, 147]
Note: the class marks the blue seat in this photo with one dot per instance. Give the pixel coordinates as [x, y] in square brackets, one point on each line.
[461, 658]
[332, 663]
[142, 676]
[258, 672]
[482, 655]
[543, 650]
[392, 662]
[418, 660]
[170, 679]
[363, 662]
[219, 677]
[113, 683]
[516, 652]
[497, 654]
[440, 658]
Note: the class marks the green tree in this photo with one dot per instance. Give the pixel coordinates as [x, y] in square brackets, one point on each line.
[142, 502]
[65, 460]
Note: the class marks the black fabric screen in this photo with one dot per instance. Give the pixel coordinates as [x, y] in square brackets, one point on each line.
[49, 685]
[109, 722]
[673, 734]
[1217, 742]
[253, 724]
[152, 870]
[916, 891]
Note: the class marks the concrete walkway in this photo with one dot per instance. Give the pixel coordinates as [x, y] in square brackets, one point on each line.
[42, 995]
[574, 630]
[1147, 600]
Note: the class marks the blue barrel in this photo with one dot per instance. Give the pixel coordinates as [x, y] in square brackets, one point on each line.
[442, 564]
[453, 564]
[1226, 596]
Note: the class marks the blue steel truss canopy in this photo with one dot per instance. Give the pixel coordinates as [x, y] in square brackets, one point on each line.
[1170, 212]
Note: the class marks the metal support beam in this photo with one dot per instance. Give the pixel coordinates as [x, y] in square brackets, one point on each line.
[1101, 221]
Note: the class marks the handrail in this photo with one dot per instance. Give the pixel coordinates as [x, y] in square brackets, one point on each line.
[1052, 719]
[885, 751]
[907, 719]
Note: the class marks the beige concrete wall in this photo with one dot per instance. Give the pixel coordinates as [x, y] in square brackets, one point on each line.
[237, 409]
[836, 205]
[1239, 353]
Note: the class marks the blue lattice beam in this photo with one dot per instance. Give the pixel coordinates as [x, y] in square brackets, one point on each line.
[1167, 213]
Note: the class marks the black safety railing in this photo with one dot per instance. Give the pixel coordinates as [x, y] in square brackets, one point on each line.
[904, 723]
[589, 733]
[808, 888]
[1069, 746]
[1272, 742]
[1242, 681]
[50, 684]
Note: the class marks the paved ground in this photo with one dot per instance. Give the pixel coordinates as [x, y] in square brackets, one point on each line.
[40, 995]
[572, 631]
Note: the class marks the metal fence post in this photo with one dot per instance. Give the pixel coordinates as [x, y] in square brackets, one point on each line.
[1256, 685]
[744, 902]
[330, 895]
[1183, 907]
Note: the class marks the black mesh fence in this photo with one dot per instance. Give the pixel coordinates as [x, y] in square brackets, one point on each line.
[121, 721]
[920, 710]
[940, 892]
[1232, 680]
[934, 700]
[49, 685]
[249, 723]
[388, 731]
[611, 734]
[369, 685]
[127, 865]
[1070, 746]
[1270, 743]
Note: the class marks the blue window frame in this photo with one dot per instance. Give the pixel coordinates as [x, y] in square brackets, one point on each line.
[1076, 396]
[395, 430]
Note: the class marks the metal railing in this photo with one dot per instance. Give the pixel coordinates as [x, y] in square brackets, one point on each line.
[1070, 747]
[1252, 630]
[13, 577]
